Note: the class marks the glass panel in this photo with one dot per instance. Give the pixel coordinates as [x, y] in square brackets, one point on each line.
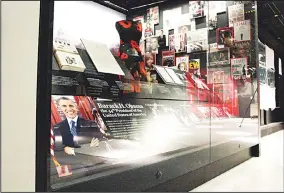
[130, 93]
[232, 76]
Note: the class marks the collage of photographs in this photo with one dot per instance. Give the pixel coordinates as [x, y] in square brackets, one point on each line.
[179, 38]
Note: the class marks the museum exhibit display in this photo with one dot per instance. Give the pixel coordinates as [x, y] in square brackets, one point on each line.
[143, 96]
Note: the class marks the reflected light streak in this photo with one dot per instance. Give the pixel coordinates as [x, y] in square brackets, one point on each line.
[234, 133]
[250, 140]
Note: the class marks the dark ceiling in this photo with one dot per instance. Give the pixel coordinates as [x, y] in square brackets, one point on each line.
[271, 24]
[270, 19]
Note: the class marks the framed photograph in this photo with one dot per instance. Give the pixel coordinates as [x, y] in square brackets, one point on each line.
[225, 37]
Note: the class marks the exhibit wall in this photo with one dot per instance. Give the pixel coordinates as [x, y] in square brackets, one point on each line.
[169, 90]
[228, 70]
[19, 55]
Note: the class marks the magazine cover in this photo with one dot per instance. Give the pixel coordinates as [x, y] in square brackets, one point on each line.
[197, 40]
[154, 45]
[242, 30]
[261, 53]
[196, 9]
[236, 13]
[154, 15]
[271, 77]
[211, 12]
[181, 43]
[219, 75]
[172, 42]
[262, 74]
[219, 57]
[182, 62]
[238, 68]
[147, 45]
[149, 29]
[168, 58]
[225, 37]
[241, 49]
[162, 40]
[150, 62]
[194, 66]
[183, 32]
[178, 43]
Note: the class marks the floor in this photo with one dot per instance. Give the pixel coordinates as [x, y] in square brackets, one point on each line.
[255, 175]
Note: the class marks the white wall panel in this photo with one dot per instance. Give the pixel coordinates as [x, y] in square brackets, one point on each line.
[19, 46]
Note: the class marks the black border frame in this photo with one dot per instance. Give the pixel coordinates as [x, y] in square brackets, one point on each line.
[43, 100]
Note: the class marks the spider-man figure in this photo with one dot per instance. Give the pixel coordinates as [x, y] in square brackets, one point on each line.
[130, 33]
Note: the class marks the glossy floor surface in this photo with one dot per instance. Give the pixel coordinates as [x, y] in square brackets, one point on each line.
[255, 175]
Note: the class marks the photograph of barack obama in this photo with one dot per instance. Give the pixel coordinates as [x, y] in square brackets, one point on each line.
[75, 131]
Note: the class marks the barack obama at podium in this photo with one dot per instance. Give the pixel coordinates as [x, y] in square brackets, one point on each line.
[74, 130]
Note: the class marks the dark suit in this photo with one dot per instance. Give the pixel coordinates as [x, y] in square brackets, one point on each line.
[86, 131]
